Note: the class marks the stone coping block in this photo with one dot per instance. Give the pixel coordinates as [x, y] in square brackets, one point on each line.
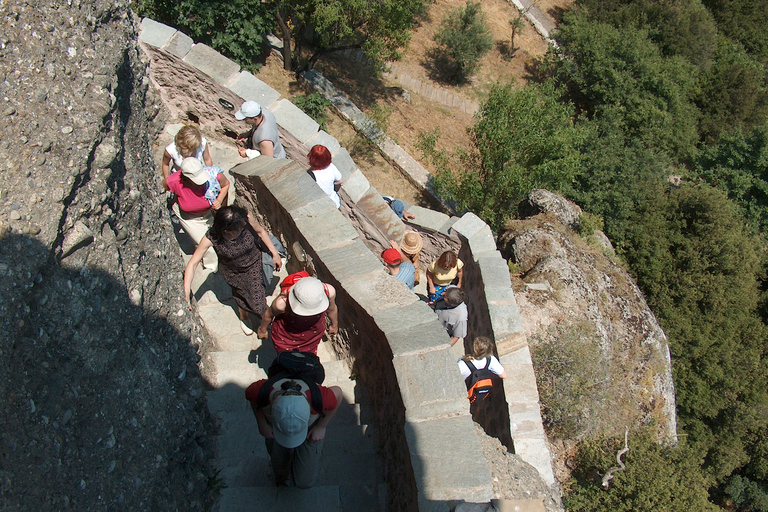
[507, 343]
[504, 319]
[349, 261]
[250, 88]
[327, 140]
[294, 120]
[482, 241]
[179, 44]
[494, 272]
[377, 291]
[426, 219]
[500, 296]
[419, 339]
[446, 228]
[211, 62]
[296, 192]
[325, 232]
[155, 33]
[262, 165]
[404, 318]
[343, 161]
[378, 211]
[468, 225]
[356, 186]
[536, 453]
[447, 460]
[430, 385]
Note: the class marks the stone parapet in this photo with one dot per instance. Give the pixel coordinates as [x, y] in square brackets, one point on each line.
[399, 349]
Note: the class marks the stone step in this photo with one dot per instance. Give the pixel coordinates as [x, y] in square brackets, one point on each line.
[330, 498]
[238, 367]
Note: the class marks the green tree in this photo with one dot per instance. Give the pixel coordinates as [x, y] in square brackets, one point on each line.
[463, 39]
[235, 28]
[743, 21]
[656, 478]
[620, 75]
[738, 165]
[380, 28]
[523, 139]
[734, 93]
[682, 28]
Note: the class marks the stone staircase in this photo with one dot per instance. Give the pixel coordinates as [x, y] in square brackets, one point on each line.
[350, 478]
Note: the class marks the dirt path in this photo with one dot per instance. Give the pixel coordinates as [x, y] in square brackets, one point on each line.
[404, 114]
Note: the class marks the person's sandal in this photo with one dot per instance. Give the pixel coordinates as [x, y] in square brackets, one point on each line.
[246, 330]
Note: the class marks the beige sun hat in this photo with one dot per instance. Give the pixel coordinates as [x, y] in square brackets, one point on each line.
[412, 242]
[192, 168]
[307, 297]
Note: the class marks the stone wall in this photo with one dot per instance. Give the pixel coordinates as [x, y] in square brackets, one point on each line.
[399, 348]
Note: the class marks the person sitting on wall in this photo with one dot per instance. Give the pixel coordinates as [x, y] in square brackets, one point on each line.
[398, 267]
[326, 175]
[299, 316]
[452, 313]
[410, 249]
[265, 137]
[398, 207]
[448, 269]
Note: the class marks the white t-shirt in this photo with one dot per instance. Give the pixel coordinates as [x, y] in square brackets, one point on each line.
[325, 179]
[176, 157]
[495, 366]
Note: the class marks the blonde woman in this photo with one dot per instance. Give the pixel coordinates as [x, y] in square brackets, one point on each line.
[189, 142]
[477, 369]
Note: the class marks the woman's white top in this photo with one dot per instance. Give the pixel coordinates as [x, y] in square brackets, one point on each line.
[495, 366]
[325, 179]
[176, 157]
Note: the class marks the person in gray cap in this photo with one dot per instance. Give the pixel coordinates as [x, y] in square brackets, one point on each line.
[265, 137]
[293, 425]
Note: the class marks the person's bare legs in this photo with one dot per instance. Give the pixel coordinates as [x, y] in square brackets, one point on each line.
[244, 318]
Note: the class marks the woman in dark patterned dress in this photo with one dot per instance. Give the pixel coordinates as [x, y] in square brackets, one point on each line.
[233, 237]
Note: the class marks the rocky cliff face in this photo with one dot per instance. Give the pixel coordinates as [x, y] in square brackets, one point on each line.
[602, 360]
[103, 405]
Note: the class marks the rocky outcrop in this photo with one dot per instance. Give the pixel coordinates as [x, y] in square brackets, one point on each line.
[602, 359]
[103, 404]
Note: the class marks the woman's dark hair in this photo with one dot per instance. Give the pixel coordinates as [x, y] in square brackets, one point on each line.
[319, 157]
[447, 260]
[228, 218]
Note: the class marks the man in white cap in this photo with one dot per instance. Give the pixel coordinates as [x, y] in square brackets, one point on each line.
[293, 427]
[265, 138]
[299, 316]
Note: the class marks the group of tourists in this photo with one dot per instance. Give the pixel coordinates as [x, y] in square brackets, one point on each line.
[291, 406]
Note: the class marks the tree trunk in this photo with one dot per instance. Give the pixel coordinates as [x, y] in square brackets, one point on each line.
[287, 58]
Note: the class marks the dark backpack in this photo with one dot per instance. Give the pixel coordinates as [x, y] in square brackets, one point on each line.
[295, 365]
[479, 382]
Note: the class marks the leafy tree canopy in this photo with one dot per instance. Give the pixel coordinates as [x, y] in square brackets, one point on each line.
[463, 39]
[379, 27]
[656, 478]
[734, 93]
[235, 28]
[619, 75]
[523, 139]
[682, 28]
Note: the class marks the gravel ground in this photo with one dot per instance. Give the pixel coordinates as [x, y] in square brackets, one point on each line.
[103, 406]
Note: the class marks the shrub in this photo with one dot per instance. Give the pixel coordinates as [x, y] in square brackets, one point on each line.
[463, 39]
[656, 478]
[314, 106]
